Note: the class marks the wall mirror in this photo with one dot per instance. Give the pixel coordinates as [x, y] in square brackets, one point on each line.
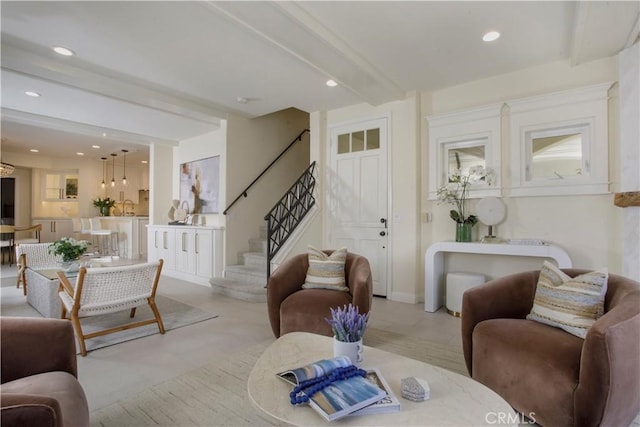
[557, 153]
[463, 155]
[462, 139]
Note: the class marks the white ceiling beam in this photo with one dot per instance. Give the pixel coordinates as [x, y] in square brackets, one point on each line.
[290, 28]
[53, 123]
[578, 31]
[633, 34]
[25, 58]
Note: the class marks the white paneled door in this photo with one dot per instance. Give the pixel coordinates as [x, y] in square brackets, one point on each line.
[358, 199]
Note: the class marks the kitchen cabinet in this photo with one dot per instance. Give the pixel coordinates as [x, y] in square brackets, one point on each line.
[60, 185]
[54, 229]
[162, 245]
[142, 238]
[190, 253]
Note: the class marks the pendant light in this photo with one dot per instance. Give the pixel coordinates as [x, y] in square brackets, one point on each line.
[113, 170]
[124, 167]
[104, 171]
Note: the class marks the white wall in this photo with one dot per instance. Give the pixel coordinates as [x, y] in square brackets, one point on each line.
[629, 61]
[404, 190]
[587, 227]
[201, 147]
[251, 145]
[162, 175]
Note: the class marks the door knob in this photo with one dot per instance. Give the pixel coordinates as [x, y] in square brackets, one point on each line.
[382, 233]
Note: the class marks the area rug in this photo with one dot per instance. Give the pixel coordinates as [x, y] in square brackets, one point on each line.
[212, 395]
[441, 355]
[216, 393]
[174, 315]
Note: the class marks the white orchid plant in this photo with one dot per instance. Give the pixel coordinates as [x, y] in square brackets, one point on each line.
[456, 192]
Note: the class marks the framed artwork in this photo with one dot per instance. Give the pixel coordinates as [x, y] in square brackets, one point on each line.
[200, 185]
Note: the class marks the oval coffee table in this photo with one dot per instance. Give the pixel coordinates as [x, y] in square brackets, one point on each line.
[455, 400]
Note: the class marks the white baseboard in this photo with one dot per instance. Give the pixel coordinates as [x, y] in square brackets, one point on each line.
[404, 297]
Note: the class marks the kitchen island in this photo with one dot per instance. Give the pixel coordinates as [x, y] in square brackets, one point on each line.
[132, 234]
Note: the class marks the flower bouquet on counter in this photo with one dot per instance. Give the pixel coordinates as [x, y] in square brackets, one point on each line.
[104, 205]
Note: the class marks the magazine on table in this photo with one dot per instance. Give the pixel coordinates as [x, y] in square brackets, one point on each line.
[389, 403]
[341, 397]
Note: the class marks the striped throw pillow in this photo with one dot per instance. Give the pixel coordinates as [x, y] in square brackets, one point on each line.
[572, 304]
[326, 271]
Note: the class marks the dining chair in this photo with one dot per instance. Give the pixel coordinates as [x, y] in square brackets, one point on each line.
[7, 241]
[106, 290]
[34, 234]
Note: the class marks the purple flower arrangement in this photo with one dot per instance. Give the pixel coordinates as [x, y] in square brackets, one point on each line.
[347, 323]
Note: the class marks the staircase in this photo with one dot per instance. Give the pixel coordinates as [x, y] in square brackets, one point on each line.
[247, 280]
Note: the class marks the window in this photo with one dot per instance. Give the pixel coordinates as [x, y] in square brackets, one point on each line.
[461, 140]
[359, 141]
[559, 143]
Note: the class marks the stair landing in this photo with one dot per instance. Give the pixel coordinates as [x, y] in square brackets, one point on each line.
[247, 280]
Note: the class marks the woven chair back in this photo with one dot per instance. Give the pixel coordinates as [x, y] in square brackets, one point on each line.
[117, 285]
[38, 256]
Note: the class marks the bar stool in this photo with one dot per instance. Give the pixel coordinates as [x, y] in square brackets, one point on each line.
[105, 238]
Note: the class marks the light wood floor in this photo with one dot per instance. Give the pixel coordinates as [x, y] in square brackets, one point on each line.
[113, 373]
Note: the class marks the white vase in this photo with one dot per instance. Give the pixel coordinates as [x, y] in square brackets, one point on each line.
[70, 266]
[354, 350]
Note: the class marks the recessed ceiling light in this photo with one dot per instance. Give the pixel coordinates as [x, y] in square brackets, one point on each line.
[95, 146]
[104, 134]
[331, 83]
[143, 161]
[33, 150]
[32, 93]
[491, 36]
[63, 51]
[242, 100]
[80, 154]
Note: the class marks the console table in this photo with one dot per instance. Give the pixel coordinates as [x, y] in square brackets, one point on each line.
[434, 260]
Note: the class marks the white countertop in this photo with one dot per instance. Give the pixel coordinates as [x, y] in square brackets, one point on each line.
[123, 217]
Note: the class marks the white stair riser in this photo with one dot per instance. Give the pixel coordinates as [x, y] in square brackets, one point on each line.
[239, 291]
[246, 278]
[258, 245]
[254, 260]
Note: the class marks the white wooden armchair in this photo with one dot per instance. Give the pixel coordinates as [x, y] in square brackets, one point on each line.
[108, 290]
[35, 256]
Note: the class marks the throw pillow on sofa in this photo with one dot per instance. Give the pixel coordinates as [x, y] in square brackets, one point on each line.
[572, 304]
[326, 271]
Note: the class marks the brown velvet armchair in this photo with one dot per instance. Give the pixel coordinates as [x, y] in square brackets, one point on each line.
[293, 309]
[39, 374]
[555, 377]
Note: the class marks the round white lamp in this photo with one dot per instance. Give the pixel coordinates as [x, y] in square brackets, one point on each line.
[491, 211]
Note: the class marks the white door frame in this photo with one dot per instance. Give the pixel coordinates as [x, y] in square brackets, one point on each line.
[327, 195]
